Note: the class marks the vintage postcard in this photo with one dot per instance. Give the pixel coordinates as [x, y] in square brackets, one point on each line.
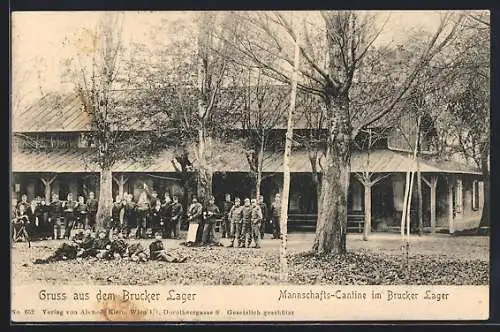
[250, 166]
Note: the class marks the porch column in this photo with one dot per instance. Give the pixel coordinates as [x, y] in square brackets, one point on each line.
[368, 180]
[432, 183]
[368, 211]
[47, 182]
[450, 205]
[120, 181]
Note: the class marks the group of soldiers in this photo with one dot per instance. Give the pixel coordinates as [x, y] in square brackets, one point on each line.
[108, 246]
[45, 219]
[242, 223]
[162, 216]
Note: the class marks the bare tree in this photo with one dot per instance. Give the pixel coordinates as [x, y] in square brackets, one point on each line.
[117, 128]
[348, 38]
[264, 108]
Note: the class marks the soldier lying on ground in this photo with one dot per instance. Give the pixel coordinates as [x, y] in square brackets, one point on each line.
[99, 247]
[118, 247]
[136, 253]
[157, 252]
[66, 251]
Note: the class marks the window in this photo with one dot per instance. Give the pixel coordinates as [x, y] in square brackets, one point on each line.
[83, 141]
[475, 195]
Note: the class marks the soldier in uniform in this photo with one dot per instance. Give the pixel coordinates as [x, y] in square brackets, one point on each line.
[92, 205]
[194, 215]
[235, 219]
[157, 252]
[256, 223]
[157, 220]
[176, 214]
[118, 247]
[143, 205]
[55, 214]
[129, 215]
[246, 224]
[263, 207]
[226, 223]
[45, 227]
[210, 214]
[275, 216]
[24, 202]
[117, 215]
[69, 207]
[166, 215]
[86, 243]
[100, 246]
[81, 212]
[66, 251]
[137, 253]
[33, 220]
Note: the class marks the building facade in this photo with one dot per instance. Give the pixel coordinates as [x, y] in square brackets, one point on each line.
[51, 153]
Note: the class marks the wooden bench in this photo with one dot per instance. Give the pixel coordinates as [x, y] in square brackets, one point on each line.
[355, 221]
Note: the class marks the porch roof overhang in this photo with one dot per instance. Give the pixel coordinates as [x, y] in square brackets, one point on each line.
[80, 161]
[378, 161]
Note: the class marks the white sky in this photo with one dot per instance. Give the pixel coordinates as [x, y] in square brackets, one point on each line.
[37, 39]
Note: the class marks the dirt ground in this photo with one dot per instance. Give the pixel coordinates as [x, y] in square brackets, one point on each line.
[435, 259]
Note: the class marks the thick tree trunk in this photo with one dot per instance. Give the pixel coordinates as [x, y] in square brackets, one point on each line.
[331, 226]
[105, 199]
[332, 215]
[485, 216]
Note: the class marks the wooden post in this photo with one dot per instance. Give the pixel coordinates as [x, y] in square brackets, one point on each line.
[368, 211]
[47, 182]
[432, 185]
[368, 180]
[450, 205]
[121, 183]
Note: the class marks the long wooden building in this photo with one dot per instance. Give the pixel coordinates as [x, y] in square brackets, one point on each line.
[51, 153]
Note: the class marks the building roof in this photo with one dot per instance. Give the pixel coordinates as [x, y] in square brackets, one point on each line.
[56, 112]
[52, 113]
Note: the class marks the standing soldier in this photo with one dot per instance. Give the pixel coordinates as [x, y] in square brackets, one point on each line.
[275, 215]
[45, 228]
[33, 214]
[226, 223]
[210, 214]
[166, 214]
[195, 213]
[235, 219]
[82, 212]
[129, 215]
[142, 215]
[246, 223]
[92, 205]
[176, 213]
[69, 207]
[152, 203]
[256, 223]
[55, 215]
[24, 202]
[157, 220]
[263, 208]
[117, 215]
